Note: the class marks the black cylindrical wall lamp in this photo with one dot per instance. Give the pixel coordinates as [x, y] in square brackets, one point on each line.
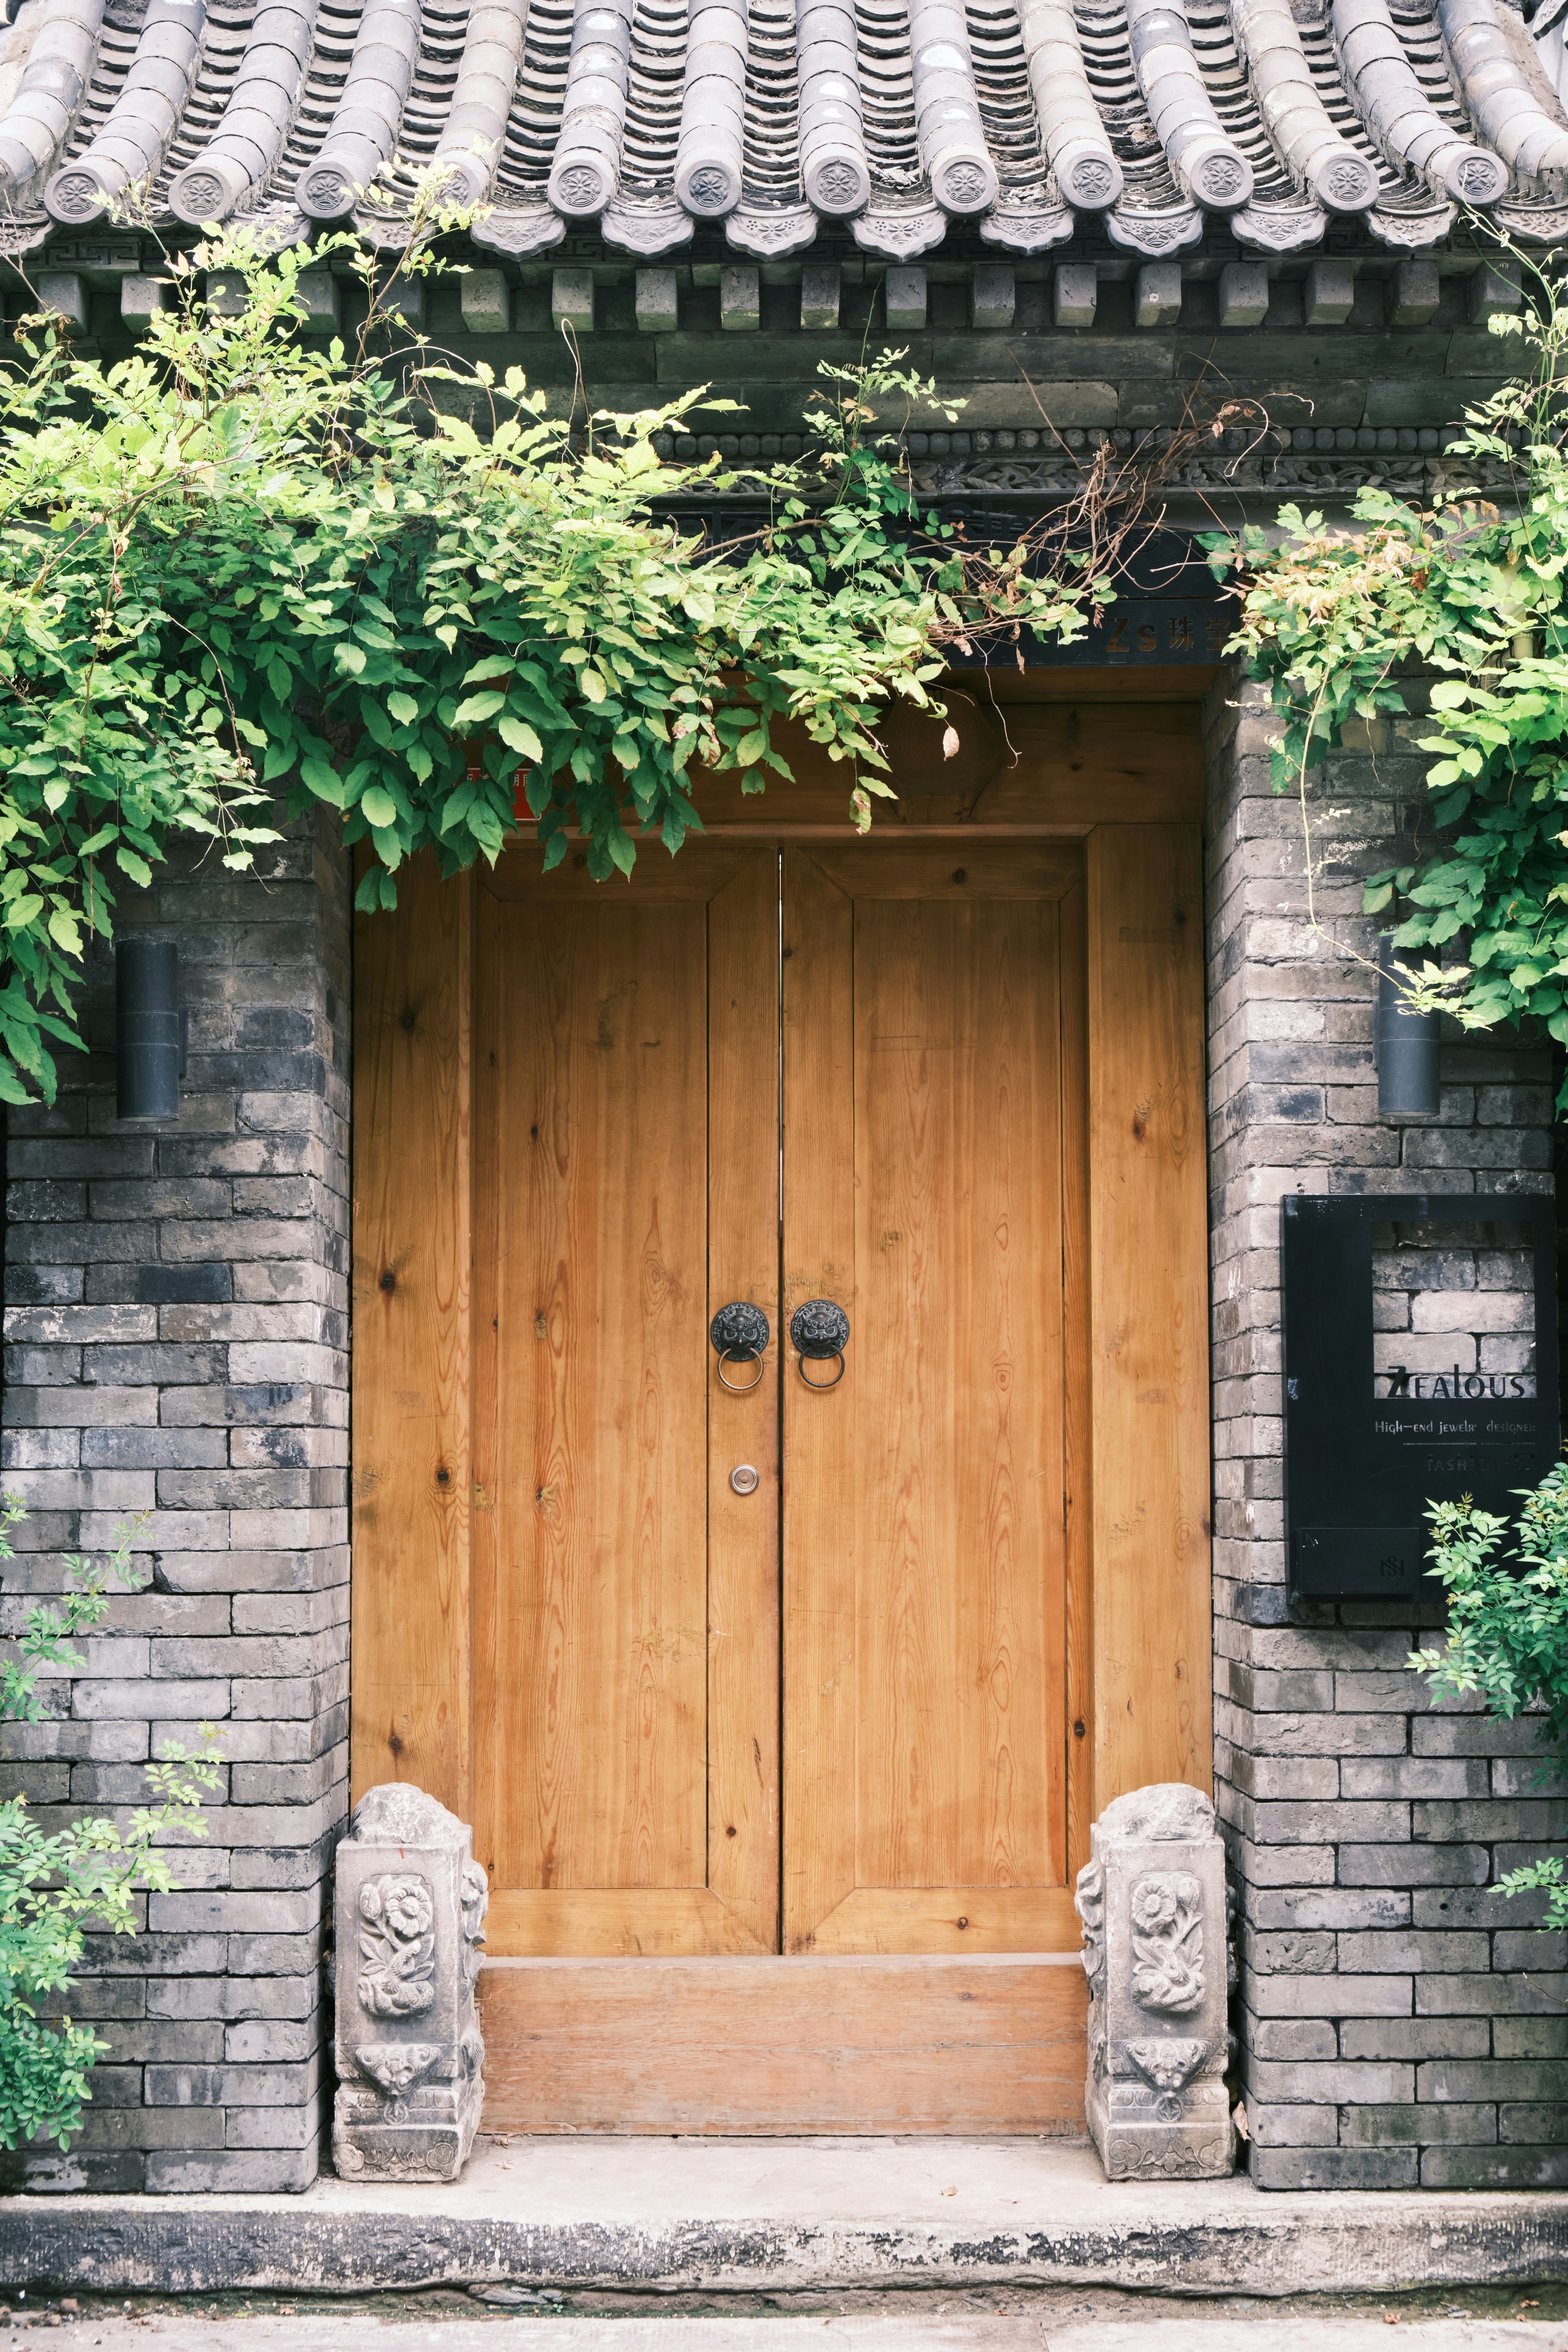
[1404, 1046]
[147, 1029]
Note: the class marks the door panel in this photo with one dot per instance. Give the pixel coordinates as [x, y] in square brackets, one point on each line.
[597, 1730]
[924, 1552]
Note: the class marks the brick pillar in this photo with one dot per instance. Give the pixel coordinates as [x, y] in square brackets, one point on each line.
[177, 1338]
[1390, 2035]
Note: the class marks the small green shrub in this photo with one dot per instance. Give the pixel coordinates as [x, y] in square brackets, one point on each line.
[1508, 1633]
[54, 1887]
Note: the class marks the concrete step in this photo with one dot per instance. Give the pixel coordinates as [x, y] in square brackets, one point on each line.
[781, 2215]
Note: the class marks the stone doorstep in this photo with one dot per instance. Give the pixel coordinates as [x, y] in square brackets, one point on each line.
[772, 2215]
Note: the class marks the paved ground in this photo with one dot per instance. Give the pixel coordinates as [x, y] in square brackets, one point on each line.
[1003, 2320]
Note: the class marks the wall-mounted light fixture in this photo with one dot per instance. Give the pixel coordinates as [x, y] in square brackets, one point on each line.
[149, 1029]
[1404, 1045]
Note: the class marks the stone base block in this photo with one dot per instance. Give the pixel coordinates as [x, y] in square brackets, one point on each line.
[430, 2139]
[1144, 2135]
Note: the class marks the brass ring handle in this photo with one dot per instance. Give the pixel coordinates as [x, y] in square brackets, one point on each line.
[739, 1388]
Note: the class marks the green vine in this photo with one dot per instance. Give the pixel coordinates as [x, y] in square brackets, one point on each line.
[56, 1886]
[241, 565]
[1506, 1639]
[1350, 623]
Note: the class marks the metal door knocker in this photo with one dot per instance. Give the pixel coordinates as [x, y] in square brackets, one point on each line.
[739, 1334]
[818, 1331]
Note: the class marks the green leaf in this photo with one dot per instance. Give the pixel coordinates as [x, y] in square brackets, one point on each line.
[379, 808]
[518, 736]
[479, 707]
[403, 708]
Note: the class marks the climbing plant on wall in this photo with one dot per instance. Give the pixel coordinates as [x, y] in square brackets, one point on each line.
[241, 565]
[1352, 623]
[1506, 1639]
[59, 1885]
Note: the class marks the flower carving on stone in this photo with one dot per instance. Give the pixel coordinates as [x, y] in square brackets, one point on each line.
[1089, 1902]
[474, 1898]
[1481, 179]
[963, 186]
[1166, 1914]
[837, 186]
[1218, 180]
[327, 191]
[710, 190]
[1090, 181]
[1350, 182]
[76, 196]
[204, 195]
[582, 188]
[396, 1945]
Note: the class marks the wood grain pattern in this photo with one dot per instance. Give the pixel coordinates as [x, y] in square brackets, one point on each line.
[590, 1551]
[1078, 1386]
[819, 1431]
[1150, 1309]
[785, 2046]
[950, 1919]
[692, 878]
[905, 870]
[603, 1923]
[948, 1474]
[411, 1364]
[743, 1530]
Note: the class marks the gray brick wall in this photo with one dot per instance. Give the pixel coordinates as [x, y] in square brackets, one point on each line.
[1401, 2023]
[176, 1344]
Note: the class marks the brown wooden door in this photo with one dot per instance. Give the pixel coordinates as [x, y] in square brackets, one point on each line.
[630, 1606]
[927, 1135]
[625, 1598]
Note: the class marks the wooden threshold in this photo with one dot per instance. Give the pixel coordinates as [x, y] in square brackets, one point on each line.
[761, 2047]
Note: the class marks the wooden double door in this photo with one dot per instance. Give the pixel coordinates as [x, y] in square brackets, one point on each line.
[780, 1792]
[782, 1665]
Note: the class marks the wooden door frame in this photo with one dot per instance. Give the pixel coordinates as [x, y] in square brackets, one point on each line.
[1125, 778]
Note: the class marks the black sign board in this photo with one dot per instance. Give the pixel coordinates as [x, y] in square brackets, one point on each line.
[1409, 1375]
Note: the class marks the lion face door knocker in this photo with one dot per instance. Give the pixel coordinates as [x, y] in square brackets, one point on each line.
[739, 1334]
[819, 1332]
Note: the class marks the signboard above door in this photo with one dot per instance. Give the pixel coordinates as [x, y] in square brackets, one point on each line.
[1420, 1365]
